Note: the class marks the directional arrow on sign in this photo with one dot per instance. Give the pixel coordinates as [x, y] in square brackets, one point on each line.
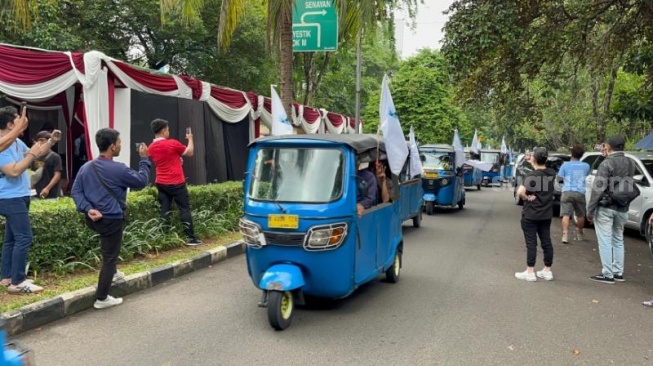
[317, 26]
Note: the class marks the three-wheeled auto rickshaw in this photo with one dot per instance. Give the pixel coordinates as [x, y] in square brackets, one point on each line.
[472, 176]
[303, 233]
[498, 161]
[442, 182]
[11, 353]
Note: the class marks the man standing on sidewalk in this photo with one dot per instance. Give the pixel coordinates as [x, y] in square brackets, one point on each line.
[167, 155]
[100, 192]
[574, 173]
[610, 218]
[15, 158]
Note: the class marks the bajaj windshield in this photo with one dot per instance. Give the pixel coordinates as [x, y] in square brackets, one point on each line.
[297, 175]
[436, 160]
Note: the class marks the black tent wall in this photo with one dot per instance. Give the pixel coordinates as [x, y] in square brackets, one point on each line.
[220, 147]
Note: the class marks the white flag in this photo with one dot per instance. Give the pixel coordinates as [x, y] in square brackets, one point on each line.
[484, 166]
[395, 143]
[504, 148]
[415, 162]
[280, 122]
[476, 145]
[458, 148]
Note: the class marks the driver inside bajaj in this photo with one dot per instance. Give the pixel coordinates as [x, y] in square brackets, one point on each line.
[365, 188]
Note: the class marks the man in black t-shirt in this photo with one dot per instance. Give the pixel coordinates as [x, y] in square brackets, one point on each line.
[49, 184]
[537, 193]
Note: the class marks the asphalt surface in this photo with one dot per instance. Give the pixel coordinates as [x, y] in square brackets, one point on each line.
[457, 303]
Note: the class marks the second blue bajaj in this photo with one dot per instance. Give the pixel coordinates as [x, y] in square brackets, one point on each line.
[498, 160]
[441, 180]
[472, 176]
[303, 233]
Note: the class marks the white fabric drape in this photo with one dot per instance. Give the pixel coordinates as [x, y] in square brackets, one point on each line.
[41, 91]
[184, 90]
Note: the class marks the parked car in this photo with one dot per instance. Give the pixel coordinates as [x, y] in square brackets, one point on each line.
[642, 207]
[523, 167]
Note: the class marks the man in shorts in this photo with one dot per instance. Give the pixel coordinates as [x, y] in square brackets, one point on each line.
[572, 201]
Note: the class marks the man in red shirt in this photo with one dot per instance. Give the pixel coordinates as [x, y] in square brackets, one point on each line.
[167, 155]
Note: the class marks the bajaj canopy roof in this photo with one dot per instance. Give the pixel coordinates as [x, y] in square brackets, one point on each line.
[359, 142]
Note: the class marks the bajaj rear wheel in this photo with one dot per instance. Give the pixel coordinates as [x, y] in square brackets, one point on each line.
[417, 220]
[392, 273]
[280, 309]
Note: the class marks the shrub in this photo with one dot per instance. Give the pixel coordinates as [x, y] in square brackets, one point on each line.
[63, 243]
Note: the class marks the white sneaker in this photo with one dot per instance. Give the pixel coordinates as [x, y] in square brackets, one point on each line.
[546, 275]
[107, 303]
[24, 288]
[526, 276]
[118, 276]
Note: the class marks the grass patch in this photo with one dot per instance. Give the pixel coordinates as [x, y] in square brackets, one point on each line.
[56, 285]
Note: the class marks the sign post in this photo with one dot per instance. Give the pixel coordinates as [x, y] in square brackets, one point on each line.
[314, 26]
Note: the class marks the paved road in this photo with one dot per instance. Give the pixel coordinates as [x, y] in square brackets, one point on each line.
[457, 303]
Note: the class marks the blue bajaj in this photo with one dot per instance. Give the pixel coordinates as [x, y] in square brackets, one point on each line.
[498, 161]
[441, 181]
[303, 232]
[12, 354]
[472, 176]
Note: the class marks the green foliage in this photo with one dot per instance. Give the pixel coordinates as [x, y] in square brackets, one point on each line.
[337, 91]
[63, 243]
[422, 94]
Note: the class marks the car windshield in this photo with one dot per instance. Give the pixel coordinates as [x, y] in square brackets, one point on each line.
[435, 160]
[298, 175]
[490, 157]
[556, 162]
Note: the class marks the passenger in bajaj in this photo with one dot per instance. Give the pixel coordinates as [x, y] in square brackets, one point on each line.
[365, 189]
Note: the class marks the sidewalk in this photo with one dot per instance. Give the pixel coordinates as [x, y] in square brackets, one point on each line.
[46, 311]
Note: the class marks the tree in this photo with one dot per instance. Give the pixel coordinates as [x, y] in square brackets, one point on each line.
[504, 49]
[422, 94]
[353, 14]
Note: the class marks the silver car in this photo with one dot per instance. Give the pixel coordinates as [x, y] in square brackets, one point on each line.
[642, 207]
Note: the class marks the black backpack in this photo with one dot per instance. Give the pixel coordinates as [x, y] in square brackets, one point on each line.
[622, 190]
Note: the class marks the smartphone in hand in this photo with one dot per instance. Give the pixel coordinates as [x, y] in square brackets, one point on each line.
[55, 137]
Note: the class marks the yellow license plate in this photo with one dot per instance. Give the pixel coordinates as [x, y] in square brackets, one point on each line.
[431, 175]
[283, 221]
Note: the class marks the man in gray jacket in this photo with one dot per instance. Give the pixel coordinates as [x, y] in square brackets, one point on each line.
[609, 219]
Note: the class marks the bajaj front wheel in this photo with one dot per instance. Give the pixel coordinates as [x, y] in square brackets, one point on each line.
[429, 208]
[280, 309]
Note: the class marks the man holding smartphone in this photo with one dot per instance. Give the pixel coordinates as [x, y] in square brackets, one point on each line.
[49, 184]
[167, 155]
[15, 202]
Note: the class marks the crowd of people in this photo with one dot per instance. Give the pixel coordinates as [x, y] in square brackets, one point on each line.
[99, 192]
[611, 193]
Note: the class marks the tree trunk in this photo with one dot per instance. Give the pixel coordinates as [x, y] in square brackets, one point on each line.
[286, 59]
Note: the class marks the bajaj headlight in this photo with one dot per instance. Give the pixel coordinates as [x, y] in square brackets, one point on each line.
[325, 237]
[444, 182]
[252, 234]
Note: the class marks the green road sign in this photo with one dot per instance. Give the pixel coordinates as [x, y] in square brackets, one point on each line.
[314, 26]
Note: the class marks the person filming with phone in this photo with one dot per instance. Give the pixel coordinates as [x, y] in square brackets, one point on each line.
[48, 186]
[167, 155]
[15, 159]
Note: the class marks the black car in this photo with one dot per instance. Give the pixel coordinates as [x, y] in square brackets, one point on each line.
[523, 167]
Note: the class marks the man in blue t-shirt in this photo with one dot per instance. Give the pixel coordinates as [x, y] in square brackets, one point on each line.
[572, 201]
[14, 204]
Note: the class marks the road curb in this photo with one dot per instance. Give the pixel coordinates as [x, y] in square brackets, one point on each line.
[48, 310]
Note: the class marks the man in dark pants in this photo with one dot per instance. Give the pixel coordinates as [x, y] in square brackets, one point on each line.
[537, 193]
[100, 192]
[167, 155]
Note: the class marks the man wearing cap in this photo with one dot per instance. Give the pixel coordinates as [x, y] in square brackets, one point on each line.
[49, 184]
[537, 191]
[609, 219]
